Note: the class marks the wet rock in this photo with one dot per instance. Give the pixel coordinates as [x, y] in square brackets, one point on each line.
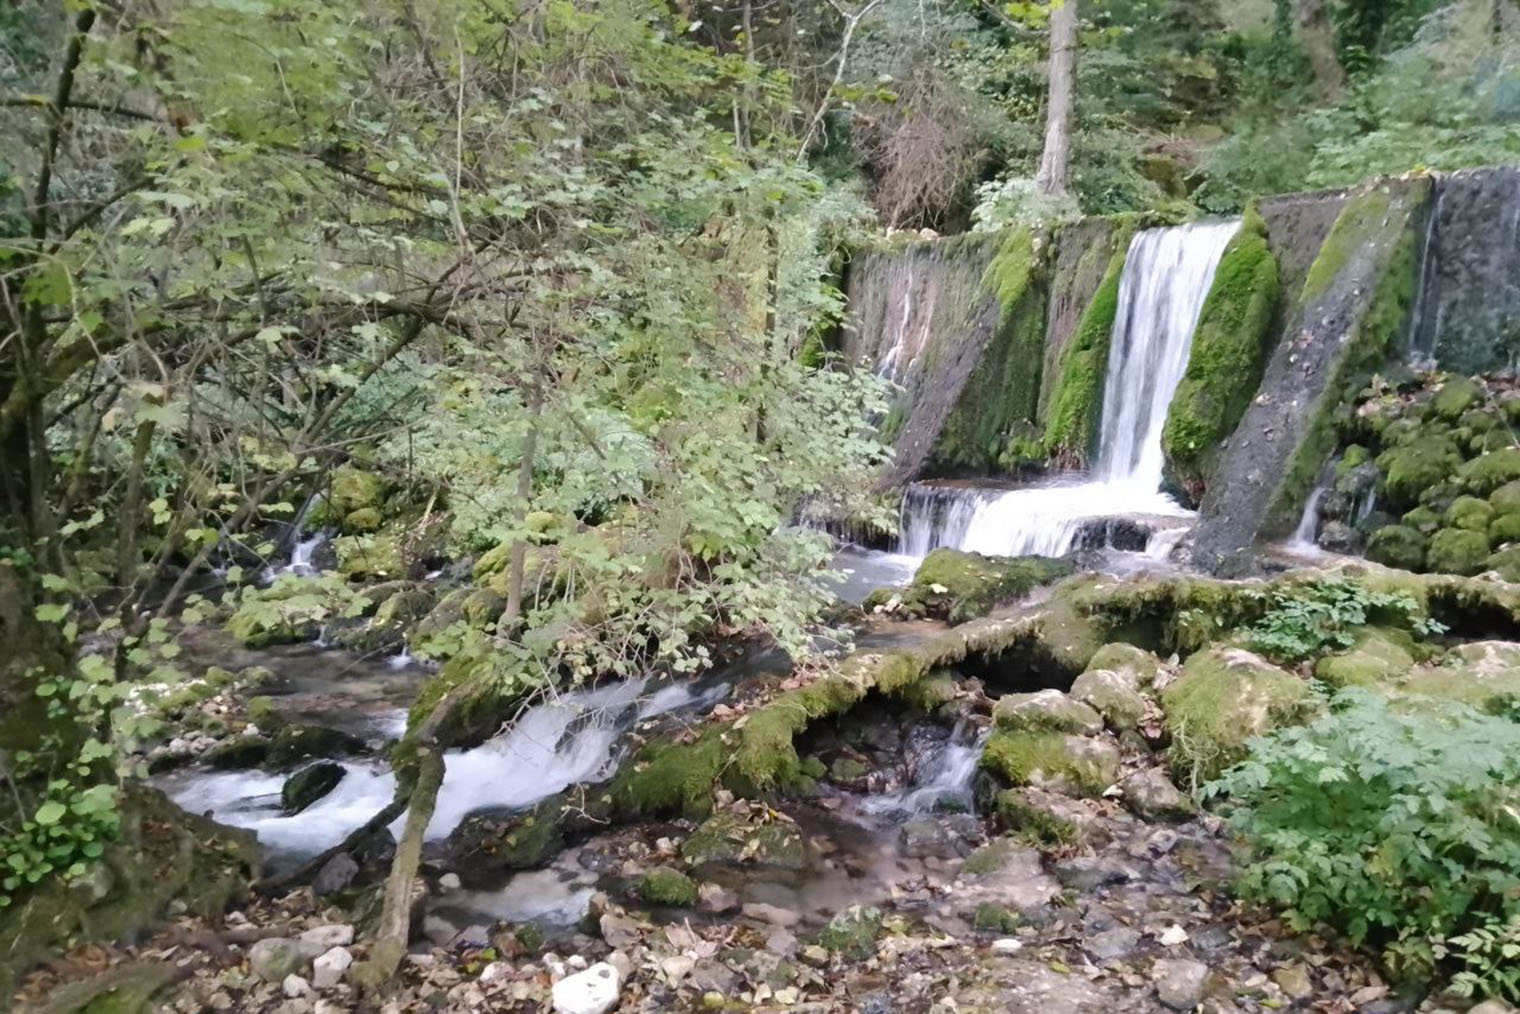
[737, 837]
[664, 886]
[1086, 873]
[950, 836]
[716, 898]
[1152, 796]
[1180, 982]
[620, 931]
[310, 784]
[772, 914]
[273, 958]
[594, 991]
[238, 753]
[336, 874]
[1046, 711]
[330, 967]
[1112, 945]
[296, 743]
[1076, 765]
[331, 935]
[1110, 695]
[713, 976]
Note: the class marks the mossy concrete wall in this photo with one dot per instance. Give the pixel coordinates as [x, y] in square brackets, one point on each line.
[1352, 310]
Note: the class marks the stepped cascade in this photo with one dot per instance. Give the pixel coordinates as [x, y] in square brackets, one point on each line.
[1166, 278]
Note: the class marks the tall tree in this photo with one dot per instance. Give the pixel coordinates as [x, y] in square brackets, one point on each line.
[1056, 159]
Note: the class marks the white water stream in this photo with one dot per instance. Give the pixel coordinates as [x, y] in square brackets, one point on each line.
[1166, 279]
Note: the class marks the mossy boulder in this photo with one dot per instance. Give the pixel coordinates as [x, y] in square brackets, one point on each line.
[736, 837]
[1046, 711]
[1077, 765]
[1378, 657]
[1457, 551]
[1111, 695]
[1138, 666]
[1400, 546]
[1423, 520]
[1506, 499]
[1484, 674]
[1410, 469]
[668, 888]
[1504, 529]
[1457, 395]
[1469, 513]
[1223, 698]
[296, 743]
[310, 784]
[1506, 562]
[959, 586]
[1227, 358]
[380, 555]
[1487, 473]
[238, 753]
[354, 489]
[363, 521]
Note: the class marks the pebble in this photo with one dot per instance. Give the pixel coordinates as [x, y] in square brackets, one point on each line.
[594, 991]
[1180, 982]
[1007, 945]
[332, 935]
[1173, 935]
[295, 986]
[328, 969]
[677, 967]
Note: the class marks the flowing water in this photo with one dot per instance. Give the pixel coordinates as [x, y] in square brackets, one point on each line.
[1303, 541]
[1166, 279]
[945, 780]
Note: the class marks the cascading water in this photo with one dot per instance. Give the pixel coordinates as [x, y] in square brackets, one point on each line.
[556, 744]
[1303, 541]
[948, 780]
[1166, 279]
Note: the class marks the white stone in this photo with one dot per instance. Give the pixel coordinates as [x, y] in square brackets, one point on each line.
[1007, 945]
[331, 935]
[1173, 935]
[295, 986]
[594, 991]
[327, 971]
[496, 971]
[448, 883]
[577, 963]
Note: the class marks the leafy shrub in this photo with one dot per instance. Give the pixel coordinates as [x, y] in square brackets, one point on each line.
[1313, 619]
[1397, 828]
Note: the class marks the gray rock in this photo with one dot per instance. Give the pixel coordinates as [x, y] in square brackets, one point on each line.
[310, 784]
[328, 969]
[1180, 982]
[332, 935]
[951, 836]
[1112, 945]
[782, 917]
[294, 986]
[336, 874]
[716, 898]
[1047, 711]
[1085, 873]
[1152, 796]
[273, 958]
[1110, 695]
[594, 991]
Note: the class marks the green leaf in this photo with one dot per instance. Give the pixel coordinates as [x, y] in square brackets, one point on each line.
[50, 812]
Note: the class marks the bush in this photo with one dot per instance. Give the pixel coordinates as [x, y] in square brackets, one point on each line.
[1395, 827]
[1309, 620]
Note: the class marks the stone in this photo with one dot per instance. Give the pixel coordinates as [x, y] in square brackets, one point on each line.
[1076, 765]
[782, 942]
[329, 967]
[438, 930]
[273, 958]
[1046, 711]
[1173, 936]
[1294, 981]
[677, 967]
[1113, 944]
[1180, 982]
[1086, 873]
[771, 914]
[496, 971]
[1457, 551]
[948, 836]
[448, 883]
[594, 991]
[1007, 945]
[1111, 695]
[1225, 697]
[294, 986]
[335, 875]
[716, 898]
[332, 935]
[667, 887]
[619, 930]
[1152, 796]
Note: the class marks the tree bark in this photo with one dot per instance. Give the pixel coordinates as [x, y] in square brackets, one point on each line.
[1056, 159]
[1318, 37]
[512, 615]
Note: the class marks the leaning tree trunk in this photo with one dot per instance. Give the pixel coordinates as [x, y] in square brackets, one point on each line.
[1054, 162]
[1318, 37]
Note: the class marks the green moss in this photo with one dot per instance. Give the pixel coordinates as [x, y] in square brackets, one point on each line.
[1378, 657]
[1506, 499]
[1423, 520]
[993, 422]
[370, 556]
[1362, 217]
[1229, 352]
[362, 521]
[1506, 562]
[1457, 551]
[734, 838]
[1486, 474]
[1111, 695]
[1409, 469]
[1223, 698]
[991, 918]
[853, 933]
[1483, 674]
[1076, 405]
[1399, 546]
[671, 778]
[354, 490]
[1067, 763]
[1136, 664]
[667, 887]
[1031, 824]
[959, 586]
[1457, 395]
[1470, 513]
[1046, 711]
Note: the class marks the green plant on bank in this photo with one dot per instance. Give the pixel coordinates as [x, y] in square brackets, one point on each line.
[1310, 620]
[1490, 956]
[1398, 828]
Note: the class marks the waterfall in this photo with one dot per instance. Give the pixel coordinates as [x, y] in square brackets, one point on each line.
[1303, 540]
[947, 779]
[1166, 279]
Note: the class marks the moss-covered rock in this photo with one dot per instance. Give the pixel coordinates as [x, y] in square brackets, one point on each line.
[310, 784]
[1504, 529]
[1469, 513]
[1078, 765]
[1111, 695]
[1484, 674]
[1076, 405]
[1223, 698]
[354, 489]
[238, 753]
[738, 837]
[959, 586]
[363, 521]
[1506, 499]
[1046, 711]
[1487, 473]
[1138, 666]
[1228, 355]
[1410, 469]
[1457, 395]
[1506, 562]
[296, 743]
[1030, 821]
[1423, 520]
[667, 887]
[380, 555]
[1398, 546]
[1456, 551]
[1378, 657]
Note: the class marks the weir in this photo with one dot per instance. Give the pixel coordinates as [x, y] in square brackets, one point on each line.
[1166, 279]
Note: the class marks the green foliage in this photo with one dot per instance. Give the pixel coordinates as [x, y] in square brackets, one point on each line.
[66, 834]
[1393, 826]
[1306, 621]
[1490, 957]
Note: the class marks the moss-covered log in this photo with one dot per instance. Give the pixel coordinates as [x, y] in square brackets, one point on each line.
[1230, 347]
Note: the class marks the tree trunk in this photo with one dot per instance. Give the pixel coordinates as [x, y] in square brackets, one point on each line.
[512, 615]
[1055, 162]
[1318, 37]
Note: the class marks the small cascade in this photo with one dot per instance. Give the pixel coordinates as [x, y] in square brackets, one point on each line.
[572, 738]
[1303, 541]
[1166, 280]
[944, 782]
[403, 659]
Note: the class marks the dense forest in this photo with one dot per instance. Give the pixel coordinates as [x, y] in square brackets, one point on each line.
[762, 504]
